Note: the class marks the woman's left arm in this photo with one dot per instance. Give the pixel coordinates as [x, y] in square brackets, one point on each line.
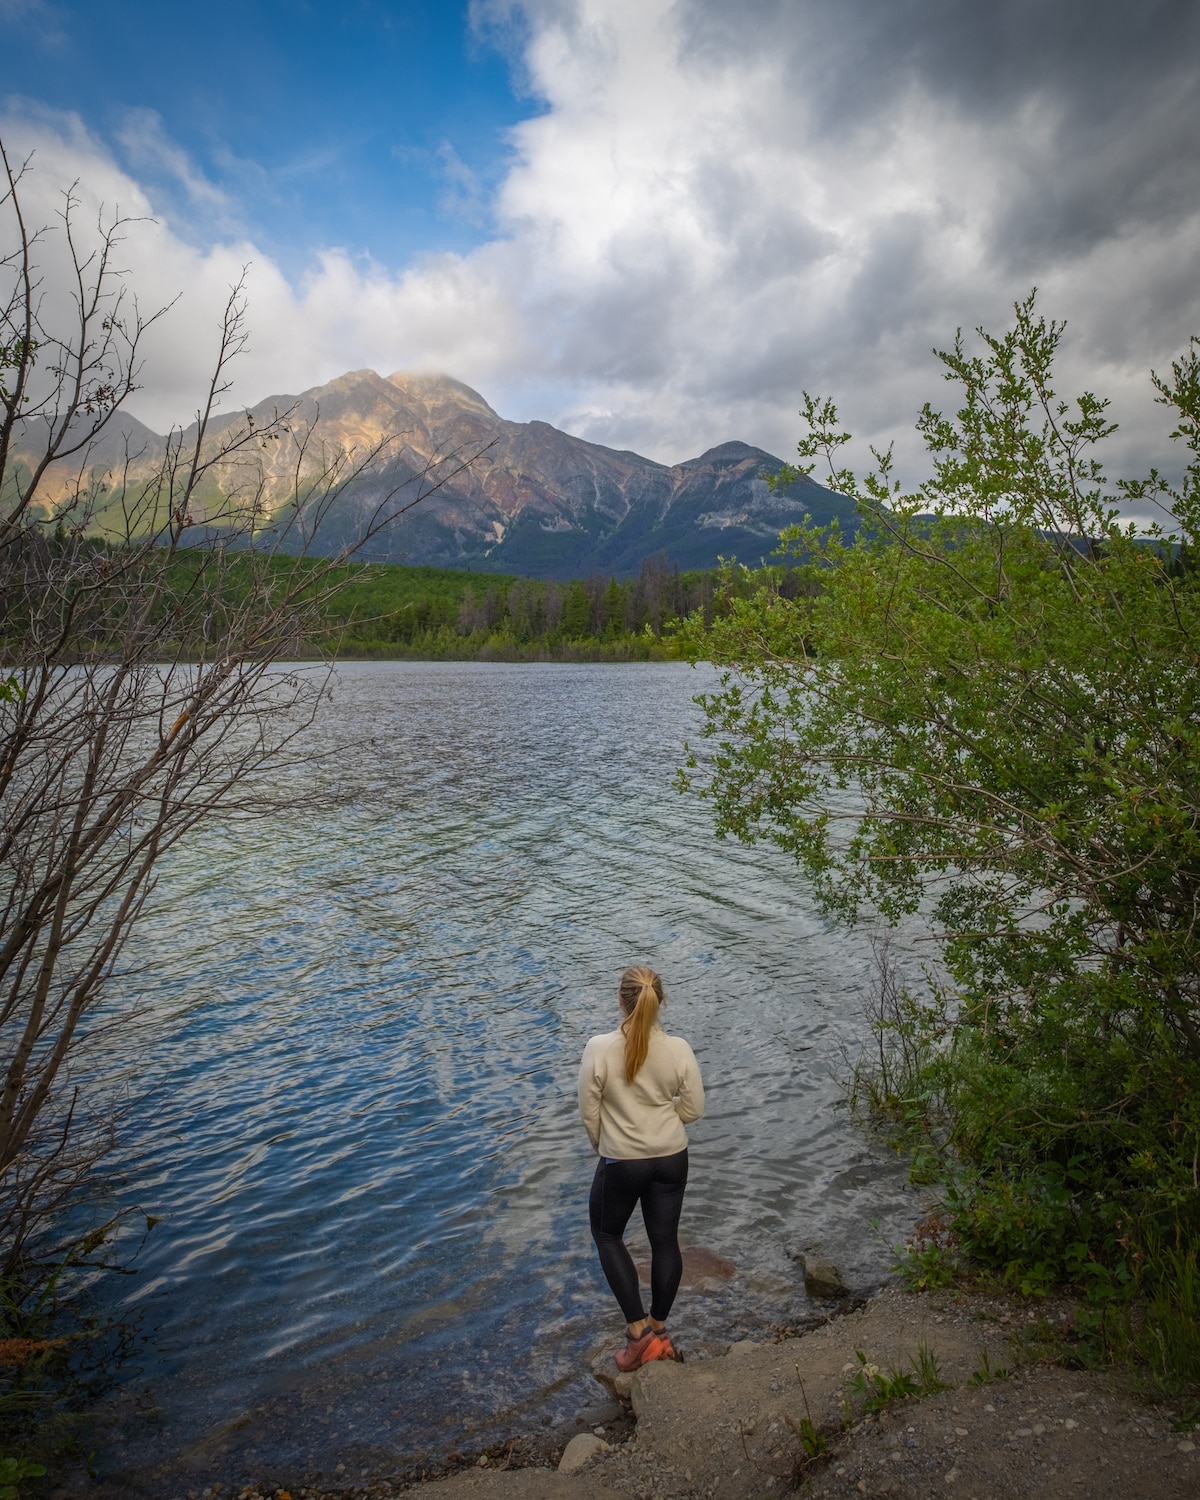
[689, 1102]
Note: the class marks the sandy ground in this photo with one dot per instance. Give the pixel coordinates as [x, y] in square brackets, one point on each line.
[728, 1428]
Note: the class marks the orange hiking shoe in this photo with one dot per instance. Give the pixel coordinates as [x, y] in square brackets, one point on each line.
[666, 1349]
[651, 1345]
[633, 1356]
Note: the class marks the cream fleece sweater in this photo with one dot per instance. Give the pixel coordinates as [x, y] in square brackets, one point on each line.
[630, 1121]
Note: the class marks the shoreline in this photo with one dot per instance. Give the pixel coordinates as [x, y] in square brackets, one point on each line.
[1006, 1422]
[987, 1414]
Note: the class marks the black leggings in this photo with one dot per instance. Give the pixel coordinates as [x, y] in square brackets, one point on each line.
[659, 1182]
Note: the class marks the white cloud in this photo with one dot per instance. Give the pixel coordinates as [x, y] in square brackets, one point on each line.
[692, 232]
[45, 20]
[149, 148]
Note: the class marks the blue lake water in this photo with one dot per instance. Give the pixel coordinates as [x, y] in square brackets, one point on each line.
[356, 1062]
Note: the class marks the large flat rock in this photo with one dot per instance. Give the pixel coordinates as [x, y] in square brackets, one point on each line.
[517, 1484]
[729, 1417]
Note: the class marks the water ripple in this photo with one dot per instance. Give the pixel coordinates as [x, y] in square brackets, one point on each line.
[359, 1033]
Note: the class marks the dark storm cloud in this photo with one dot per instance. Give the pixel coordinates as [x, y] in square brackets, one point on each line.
[713, 207]
[1111, 91]
[856, 56]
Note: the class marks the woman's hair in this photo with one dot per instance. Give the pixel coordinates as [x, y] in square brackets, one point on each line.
[641, 994]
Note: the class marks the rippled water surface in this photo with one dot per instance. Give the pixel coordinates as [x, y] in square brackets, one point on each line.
[359, 1048]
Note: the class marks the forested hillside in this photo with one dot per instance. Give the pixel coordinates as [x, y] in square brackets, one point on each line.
[391, 611]
[388, 611]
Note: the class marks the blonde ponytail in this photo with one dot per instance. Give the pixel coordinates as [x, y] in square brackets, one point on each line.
[641, 994]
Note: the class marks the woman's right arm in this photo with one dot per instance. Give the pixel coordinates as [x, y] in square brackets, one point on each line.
[591, 1088]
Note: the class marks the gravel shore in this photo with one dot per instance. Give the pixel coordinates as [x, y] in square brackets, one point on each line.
[730, 1427]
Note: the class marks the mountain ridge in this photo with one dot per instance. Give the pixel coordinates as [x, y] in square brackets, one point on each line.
[537, 500]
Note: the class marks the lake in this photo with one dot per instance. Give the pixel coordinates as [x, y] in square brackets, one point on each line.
[356, 1067]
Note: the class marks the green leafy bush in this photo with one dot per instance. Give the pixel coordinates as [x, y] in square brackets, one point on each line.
[12, 1472]
[988, 715]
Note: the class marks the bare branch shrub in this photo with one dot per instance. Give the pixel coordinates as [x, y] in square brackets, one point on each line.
[145, 593]
[897, 1082]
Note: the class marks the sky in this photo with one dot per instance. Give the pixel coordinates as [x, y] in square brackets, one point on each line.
[651, 222]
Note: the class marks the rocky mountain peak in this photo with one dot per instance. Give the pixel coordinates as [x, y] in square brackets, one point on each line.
[432, 390]
[725, 454]
[534, 500]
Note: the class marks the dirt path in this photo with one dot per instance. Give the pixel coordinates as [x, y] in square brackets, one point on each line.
[728, 1428]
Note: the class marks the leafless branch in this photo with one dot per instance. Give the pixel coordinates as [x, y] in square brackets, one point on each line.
[143, 602]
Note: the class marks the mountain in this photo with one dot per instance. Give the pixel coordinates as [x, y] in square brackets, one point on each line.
[535, 501]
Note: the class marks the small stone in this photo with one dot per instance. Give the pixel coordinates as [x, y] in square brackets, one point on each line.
[580, 1451]
[1023, 1432]
[1187, 1446]
[622, 1384]
[1038, 1429]
[822, 1279]
[951, 1476]
[1069, 1423]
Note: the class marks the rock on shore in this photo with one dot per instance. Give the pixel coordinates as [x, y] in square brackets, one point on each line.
[822, 1279]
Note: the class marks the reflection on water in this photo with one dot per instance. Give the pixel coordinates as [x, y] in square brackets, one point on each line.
[361, 1033]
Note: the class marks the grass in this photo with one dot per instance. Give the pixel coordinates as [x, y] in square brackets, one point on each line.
[987, 1373]
[876, 1386]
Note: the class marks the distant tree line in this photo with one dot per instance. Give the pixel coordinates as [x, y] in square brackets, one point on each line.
[388, 610]
[526, 619]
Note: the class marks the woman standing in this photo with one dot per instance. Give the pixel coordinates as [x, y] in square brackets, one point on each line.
[638, 1088]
